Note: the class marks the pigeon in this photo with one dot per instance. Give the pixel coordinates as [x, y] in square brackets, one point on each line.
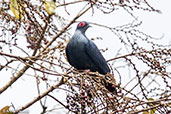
[83, 54]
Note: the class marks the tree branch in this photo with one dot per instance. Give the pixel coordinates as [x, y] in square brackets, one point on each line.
[15, 78]
[22, 71]
[62, 81]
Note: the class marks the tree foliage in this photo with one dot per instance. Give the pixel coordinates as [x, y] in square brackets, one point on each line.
[33, 37]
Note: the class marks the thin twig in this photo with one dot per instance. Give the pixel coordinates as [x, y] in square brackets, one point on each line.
[62, 81]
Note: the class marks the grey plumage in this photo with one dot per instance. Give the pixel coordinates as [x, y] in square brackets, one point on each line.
[82, 53]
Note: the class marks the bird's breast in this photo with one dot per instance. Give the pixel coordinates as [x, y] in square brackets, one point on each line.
[78, 56]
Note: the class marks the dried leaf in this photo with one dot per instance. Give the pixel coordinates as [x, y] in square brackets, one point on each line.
[145, 112]
[66, 45]
[154, 109]
[5, 110]
[50, 7]
[16, 9]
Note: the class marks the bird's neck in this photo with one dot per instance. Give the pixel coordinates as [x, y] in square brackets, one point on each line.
[80, 33]
[80, 36]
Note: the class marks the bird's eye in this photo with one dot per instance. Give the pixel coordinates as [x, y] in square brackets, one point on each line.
[81, 24]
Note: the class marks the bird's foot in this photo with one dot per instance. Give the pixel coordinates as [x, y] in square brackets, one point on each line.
[87, 70]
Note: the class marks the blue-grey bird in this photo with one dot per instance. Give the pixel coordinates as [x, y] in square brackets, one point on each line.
[83, 54]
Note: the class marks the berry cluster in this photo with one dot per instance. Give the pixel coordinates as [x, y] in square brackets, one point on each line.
[79, 101]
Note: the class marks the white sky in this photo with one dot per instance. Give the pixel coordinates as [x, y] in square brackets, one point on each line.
[154, 24]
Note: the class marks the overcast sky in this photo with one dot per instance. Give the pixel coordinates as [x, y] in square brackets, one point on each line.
[155, 24]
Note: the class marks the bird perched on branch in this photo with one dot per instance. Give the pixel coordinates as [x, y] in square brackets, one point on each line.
[83, 54]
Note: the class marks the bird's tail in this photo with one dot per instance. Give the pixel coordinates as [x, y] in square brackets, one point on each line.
[110, 83]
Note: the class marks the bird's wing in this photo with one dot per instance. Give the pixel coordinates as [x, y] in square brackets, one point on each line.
[95, 55]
